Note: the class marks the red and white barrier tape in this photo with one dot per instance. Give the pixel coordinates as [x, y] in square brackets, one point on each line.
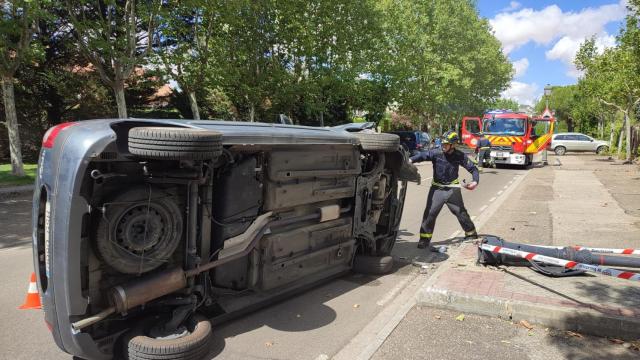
[597, 250]
[561, 262]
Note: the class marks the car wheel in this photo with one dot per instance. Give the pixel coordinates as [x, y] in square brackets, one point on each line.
[168, 143]
[148, 340]
[602, 149]
[378, 142]
[560, 150]
[373, 265]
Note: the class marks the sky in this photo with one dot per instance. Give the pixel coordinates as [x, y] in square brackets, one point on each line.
[541, 38]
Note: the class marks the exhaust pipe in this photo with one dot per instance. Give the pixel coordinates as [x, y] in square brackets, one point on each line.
[138, 292]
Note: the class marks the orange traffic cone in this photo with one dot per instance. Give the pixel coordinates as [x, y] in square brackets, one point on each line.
[32, 301]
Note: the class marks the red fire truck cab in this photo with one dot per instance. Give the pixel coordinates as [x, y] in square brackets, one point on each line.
[516, 138]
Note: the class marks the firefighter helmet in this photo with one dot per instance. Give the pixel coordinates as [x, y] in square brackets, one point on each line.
[450, 137]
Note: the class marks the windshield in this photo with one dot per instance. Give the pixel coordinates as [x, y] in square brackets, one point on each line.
[504, 126]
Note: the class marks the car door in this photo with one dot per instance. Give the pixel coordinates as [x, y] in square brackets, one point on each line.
[584, 143]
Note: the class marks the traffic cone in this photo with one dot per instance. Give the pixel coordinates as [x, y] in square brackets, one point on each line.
[32, 301]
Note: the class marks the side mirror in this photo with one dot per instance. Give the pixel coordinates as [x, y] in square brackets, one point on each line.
[591, 140]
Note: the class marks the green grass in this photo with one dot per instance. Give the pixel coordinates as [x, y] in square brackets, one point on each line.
[6, 179]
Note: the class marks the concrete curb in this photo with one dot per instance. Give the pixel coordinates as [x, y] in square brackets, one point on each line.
[15, 190]
[586, 321]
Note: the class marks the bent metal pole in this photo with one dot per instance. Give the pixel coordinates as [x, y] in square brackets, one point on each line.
[597, 250]
[561, 262]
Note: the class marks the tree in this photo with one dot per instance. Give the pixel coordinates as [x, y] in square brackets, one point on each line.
[114, 35]
[444, 58]
[503, 103]
[185, 46]
[611, 77]
[16, 30]
[563, 102]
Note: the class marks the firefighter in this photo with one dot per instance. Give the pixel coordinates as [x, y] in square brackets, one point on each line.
[483, 149]
[445, 187]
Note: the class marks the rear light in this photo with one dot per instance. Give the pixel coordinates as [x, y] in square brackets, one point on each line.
[418, 146]
[50, 136]
[48, 326]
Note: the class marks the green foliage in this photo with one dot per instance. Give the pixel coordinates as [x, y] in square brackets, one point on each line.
[503, 103]
[7, 179]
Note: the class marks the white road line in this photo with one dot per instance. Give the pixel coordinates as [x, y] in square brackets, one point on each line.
[492, 199]
[500, 192]
[473, 217]
[454, 234]
[484, 208]
[505, 187]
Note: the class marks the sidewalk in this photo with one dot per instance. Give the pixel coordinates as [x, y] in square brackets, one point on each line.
[585, 201]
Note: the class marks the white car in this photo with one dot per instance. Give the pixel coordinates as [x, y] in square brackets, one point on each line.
[563, 142]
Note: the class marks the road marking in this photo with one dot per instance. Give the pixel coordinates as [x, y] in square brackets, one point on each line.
[454, 234]
[492, 199]
[500, 192]
[473, 217]
[484, 208]
[505, 187]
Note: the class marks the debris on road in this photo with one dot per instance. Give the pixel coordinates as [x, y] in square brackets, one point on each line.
[526, 324]
[355, 306]
[460, 317]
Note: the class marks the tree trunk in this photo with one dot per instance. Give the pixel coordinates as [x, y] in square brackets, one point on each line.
[120, 101]
[569, 124]
[611, 134]
[321, 118]
[621, 139]
[627, 123]
[194, 105]
[252, 112]
[8, 98]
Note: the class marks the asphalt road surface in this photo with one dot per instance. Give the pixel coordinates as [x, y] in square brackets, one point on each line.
[312, 325]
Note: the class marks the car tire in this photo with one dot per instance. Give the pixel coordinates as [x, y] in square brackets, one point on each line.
[601, 149]
[372, 265]
[169, 143]
[378, 142]
[560, 150]
[193, 343]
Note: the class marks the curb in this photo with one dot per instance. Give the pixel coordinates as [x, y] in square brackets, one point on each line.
[586, 321]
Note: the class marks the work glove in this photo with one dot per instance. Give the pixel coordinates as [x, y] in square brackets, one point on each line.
[470, 186]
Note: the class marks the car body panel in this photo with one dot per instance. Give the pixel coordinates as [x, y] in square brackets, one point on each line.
[60, 245]
[576, 142]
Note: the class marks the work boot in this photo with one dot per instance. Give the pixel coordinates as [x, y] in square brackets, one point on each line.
[471, 235]
[423, 243]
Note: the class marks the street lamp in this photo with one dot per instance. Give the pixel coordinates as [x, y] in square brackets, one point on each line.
[547, 93]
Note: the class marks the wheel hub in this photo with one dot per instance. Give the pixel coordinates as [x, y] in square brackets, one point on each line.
[141, 228]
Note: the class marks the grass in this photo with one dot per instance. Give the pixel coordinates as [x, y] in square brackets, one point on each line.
[6, 179]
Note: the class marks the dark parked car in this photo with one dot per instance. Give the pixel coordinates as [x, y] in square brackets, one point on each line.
[413, 141]
[144, 230]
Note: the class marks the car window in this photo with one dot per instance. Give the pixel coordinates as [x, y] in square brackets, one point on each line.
[582, 138]
[560, 137]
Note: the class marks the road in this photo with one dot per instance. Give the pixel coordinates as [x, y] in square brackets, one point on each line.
[313, 325]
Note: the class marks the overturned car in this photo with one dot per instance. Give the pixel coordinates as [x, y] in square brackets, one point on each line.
[145, 231]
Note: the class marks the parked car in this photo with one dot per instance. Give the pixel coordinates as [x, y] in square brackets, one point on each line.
[144, 230]
[563, 142]
[413, 141]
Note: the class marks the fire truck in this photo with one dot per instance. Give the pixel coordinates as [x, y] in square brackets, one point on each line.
[516, 138]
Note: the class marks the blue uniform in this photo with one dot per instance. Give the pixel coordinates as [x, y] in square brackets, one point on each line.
[445, 189]
[445, 166]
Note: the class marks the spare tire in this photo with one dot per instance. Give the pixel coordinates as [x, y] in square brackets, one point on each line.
[191, 341]
[378, 142]
[169, 143]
